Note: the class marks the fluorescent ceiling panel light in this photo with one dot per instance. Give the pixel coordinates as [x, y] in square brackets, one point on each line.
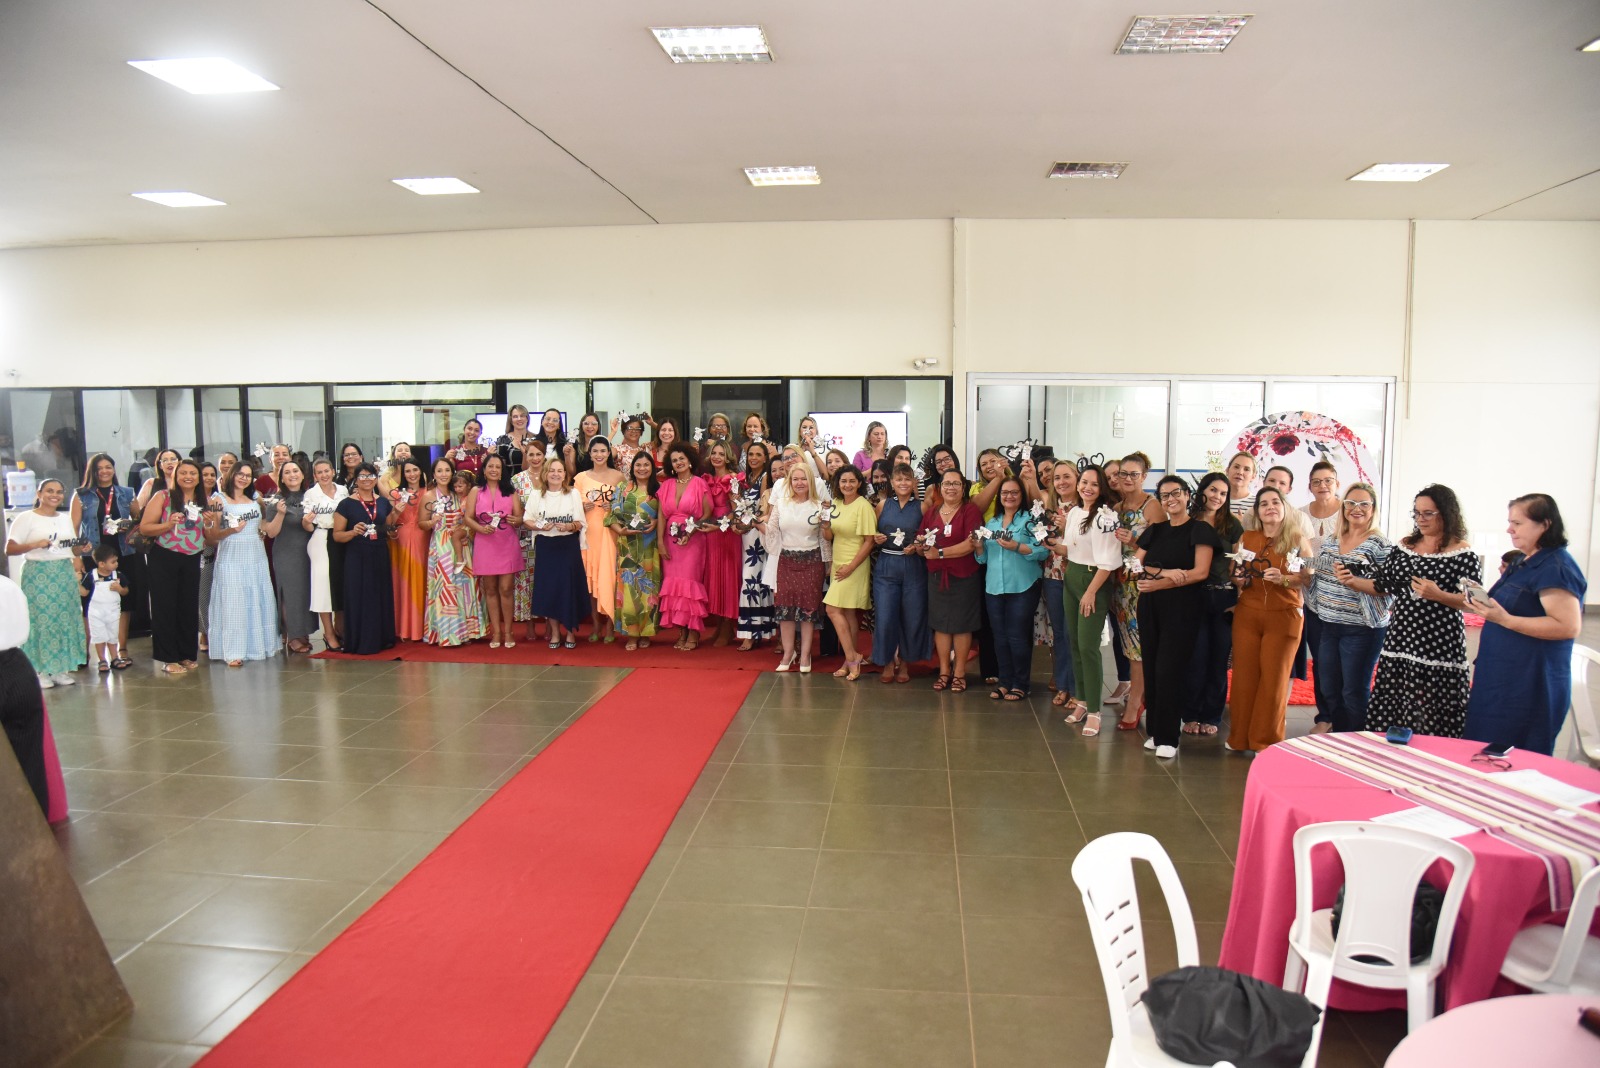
[1592, 46]
[181, 200]
[1157, 34]
[212, 75]
[1087, 170]
[435, 187]
[1398, 172]
[760, 176]
[714, 44]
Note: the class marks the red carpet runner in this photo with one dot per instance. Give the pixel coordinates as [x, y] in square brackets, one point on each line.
[471, 957]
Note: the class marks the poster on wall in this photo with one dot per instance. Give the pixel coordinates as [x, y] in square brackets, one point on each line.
[846, 431]
[1297, 440]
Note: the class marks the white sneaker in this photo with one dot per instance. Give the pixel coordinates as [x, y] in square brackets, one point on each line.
[1166, 752]
[64, 679]
[46, 682]
[1149, 743]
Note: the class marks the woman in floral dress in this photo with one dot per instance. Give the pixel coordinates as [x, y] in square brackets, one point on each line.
[632, 523]
[453, 614]
[523, 484]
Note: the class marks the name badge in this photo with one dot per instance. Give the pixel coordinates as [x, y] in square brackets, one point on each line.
[947, 529]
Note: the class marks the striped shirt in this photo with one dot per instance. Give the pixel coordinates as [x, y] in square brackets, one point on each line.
[1334, 602]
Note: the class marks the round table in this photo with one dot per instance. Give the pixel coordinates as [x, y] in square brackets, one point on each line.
[1523, 1030]
[1509, 888]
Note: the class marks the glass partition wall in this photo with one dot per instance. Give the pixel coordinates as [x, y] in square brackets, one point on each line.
[55, 430]
[1187, 424]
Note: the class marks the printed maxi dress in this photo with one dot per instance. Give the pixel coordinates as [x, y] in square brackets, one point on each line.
[638, 587]
[454, 613]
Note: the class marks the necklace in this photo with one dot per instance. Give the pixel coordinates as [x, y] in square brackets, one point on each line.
[371, 510]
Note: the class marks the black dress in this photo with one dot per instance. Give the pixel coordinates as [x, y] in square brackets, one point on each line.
[1169, 623]
[1423, 675]
[368, 586]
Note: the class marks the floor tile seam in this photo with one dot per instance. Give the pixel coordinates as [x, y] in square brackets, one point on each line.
[1077, 816]
[611, 982]
[961, 903]
[811, 890]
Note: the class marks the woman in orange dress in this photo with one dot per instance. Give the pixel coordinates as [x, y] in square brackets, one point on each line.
[408, 553]
[598, 487]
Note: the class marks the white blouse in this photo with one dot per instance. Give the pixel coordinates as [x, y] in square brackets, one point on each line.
[1093, 547]
[315, 498]
[557, 507]
[1313, 527]
[31, 526]
[790, 527]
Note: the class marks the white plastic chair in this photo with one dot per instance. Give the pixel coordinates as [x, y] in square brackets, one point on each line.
[1382, 867]
[1103, 870]
[1585, 660]
[1560, 960]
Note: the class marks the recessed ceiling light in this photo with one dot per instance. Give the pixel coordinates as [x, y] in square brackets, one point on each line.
[435, 187]
[1087, 170]
[714, 44]
[1155, 34]
[181, 200]
[1592, 46]
[783, 176]
[213, 75]
[1398, 172]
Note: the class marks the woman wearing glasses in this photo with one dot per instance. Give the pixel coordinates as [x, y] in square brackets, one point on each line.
[1523, 682]
[1174, 560]
[1423, 669]
[1352, 616]
[1136, 510]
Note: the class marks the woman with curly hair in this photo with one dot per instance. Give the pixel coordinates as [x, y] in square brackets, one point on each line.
[1423, 669]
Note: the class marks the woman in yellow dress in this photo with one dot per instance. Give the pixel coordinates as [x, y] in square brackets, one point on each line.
[597, 487]
[850, 525]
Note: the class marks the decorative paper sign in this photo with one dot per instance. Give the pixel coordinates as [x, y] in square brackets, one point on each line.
[1299, 439]
[898, 538]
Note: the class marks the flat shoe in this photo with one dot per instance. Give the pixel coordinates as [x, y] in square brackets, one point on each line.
[886, 676]
[904, 676]
[572, 643]
[555, 643]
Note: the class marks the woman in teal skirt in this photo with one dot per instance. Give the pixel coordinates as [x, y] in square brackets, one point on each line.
[57, 644]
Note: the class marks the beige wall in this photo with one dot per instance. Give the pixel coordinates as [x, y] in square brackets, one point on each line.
[1502, 395]
[816, 298]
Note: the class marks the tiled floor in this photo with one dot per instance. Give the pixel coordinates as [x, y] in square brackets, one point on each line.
[863, 875]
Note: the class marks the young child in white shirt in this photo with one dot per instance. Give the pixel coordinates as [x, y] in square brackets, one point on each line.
[104, 589]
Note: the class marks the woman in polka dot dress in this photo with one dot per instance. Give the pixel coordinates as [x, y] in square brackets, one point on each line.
[1423, 679]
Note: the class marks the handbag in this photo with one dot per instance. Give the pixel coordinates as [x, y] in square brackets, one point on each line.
[1203, 1014]
[1426, 905]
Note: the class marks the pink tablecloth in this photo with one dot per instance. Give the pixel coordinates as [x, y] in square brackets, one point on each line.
[1285, 792]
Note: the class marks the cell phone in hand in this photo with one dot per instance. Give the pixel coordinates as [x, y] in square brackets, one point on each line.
[1473, 591]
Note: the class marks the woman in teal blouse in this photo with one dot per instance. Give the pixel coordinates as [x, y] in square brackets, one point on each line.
[1013, 559]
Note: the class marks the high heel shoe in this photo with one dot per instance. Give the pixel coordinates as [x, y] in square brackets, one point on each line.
[786, 662]
[805, 667]
[855, 671]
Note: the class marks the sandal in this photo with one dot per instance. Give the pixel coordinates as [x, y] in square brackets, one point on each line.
[886, 676]
[942, 682]
[102, 666]
[236, 663]
[855, 671]
[958, 684]
[844, 669]
[904, 675]
[1061, 699]
[1127, 725]
[1079, 712]
[1091, 724]
[174, 669]
[997, 693]
[121, 663]
[1015, 695]
[1206, 728]
[1191, 727]
[633, 644]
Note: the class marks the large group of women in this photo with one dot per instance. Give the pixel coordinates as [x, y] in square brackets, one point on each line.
[1212, 593]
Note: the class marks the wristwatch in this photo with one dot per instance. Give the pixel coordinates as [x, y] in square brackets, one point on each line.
[941, 552]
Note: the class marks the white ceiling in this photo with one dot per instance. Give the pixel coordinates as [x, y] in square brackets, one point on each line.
[911, 108]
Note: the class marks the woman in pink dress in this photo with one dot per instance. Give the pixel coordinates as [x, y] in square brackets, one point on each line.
[494, 516]
[408, 553]
[724, 546]
[685, 504]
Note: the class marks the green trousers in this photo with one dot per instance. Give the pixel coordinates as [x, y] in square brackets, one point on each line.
[1084, 631]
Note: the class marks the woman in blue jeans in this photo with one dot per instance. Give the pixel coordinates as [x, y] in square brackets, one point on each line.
[1060, 497]
[1011, 586]
[1354, 616]
[899, 582]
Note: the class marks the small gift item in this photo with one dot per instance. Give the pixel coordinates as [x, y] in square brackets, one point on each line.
[1086, 462]
[549, 451]
[191, 513]
[699, 432]
[1243, 556]
[1293, 562]
[440, 506]
[372, 531]
[637, 522]
[494, 520]
[983, 533]
[1105, 520]
[404, 496]
[931, 536]
[673, 528]
[724, 522]
[756, 439]
[898, 538]
[1040, 531]
[261, 452]
[1135, 566]
[113, 526]
[1038, 509]
[486, 439]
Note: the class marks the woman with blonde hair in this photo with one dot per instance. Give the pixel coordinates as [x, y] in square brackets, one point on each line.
[1136, 510]
[874, 447]
[793, 529]
[1352, 616]
[1266, 624]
